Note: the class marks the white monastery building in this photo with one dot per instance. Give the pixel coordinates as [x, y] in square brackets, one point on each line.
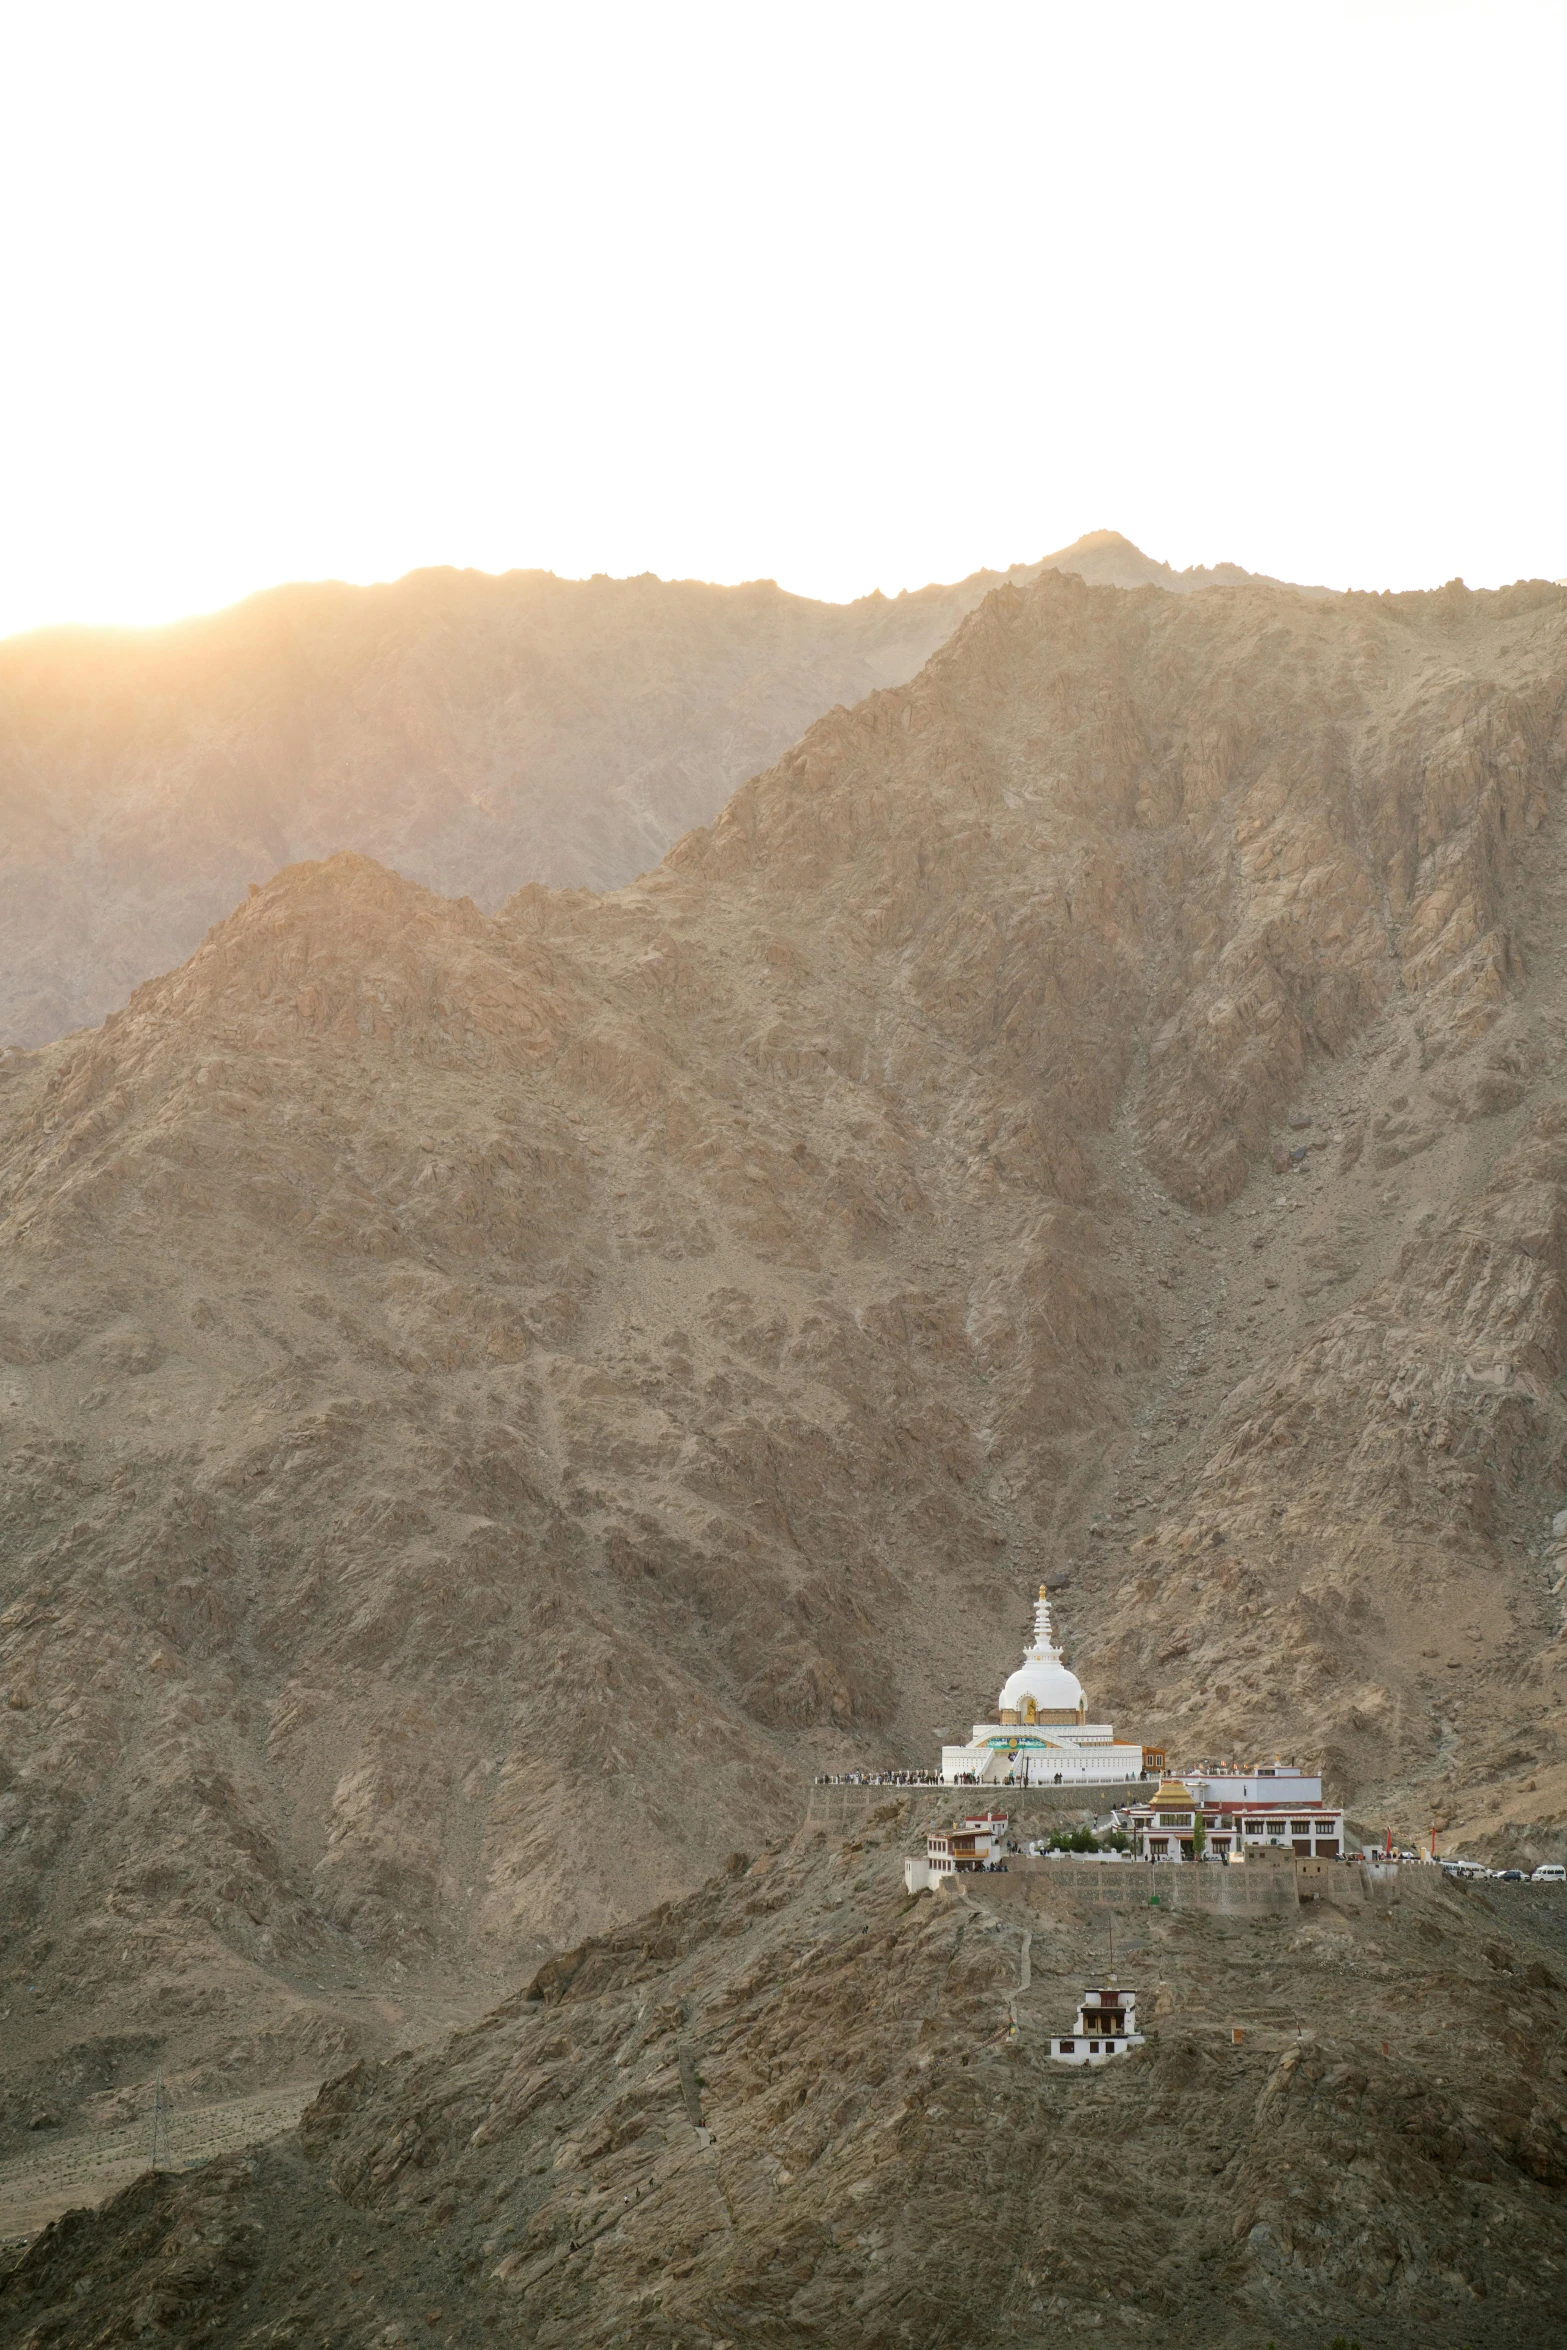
[1106, 2026]
[1043, 1736]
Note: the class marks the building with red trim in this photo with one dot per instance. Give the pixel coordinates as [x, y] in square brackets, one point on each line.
[1274, 1805]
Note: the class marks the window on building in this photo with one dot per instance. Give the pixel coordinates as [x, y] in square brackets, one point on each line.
[1069, 2047]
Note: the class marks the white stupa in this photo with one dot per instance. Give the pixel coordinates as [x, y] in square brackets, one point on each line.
[1043, 1736]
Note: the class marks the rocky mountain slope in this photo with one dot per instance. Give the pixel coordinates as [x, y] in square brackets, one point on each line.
[487, 1404]
[474, 733]
[803, 2107]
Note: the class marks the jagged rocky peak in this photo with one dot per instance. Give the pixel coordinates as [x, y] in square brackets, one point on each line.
[1108, 559]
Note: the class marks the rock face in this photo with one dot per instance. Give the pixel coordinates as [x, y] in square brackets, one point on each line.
[474, 733]
[801, 2106]
[487, 1403]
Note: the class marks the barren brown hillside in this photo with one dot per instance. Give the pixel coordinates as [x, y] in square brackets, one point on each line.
[488, 1403]
[801, 2106]
[474, 733]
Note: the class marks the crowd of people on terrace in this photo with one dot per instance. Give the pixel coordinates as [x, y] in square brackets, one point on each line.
[878, 1779]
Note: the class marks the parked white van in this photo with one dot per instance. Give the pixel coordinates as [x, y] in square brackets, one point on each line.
[1549, 1872]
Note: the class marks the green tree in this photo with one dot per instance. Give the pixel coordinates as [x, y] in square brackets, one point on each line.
[1074, 1840]
[1199, 1836]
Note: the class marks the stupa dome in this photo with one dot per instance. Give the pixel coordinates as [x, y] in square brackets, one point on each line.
[1042, 1676]
[1047, 1681]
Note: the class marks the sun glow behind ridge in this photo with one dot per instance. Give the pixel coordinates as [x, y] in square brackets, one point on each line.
[846, 298]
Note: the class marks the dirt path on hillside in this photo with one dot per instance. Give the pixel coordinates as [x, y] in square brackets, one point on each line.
[87, 2169]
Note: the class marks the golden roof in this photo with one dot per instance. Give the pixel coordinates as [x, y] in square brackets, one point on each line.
[1172, 1796]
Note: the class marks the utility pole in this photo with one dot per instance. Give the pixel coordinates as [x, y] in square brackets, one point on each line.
[160, 2125]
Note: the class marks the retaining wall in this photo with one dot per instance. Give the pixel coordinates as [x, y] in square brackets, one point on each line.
[1261, 1888]
[1257, 1890]
[1267, 1883]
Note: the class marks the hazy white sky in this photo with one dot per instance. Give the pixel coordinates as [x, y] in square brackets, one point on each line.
[851, 296]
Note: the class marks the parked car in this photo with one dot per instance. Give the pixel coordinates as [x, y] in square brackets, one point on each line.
[1509, 1876]
[1549, 1872]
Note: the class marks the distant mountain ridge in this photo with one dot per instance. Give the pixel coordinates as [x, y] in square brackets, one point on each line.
[472, 732]
[1105, 559]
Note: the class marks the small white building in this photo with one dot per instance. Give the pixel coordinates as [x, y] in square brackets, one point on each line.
[969, 1845]
[1043, 1737]
[1106, 2026]
[974, 1843]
